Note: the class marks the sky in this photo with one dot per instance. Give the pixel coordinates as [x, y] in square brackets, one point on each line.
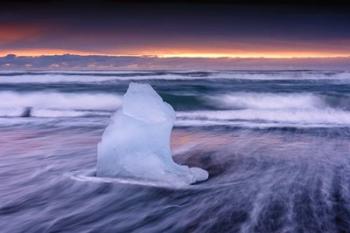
[208, 29]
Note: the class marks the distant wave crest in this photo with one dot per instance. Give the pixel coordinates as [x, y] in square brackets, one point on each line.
[96, 77]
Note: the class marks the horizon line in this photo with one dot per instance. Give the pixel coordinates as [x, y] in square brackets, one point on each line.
[183, 56]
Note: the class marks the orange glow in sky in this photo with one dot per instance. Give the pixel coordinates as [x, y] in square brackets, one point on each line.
[184, 53]
[267, 54]
[11, 33]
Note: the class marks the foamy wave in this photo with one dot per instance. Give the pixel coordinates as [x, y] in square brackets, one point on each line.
[315, 116]
[282, 75]
[238, 118]
[268, 101]
[243, 109]
[271, 108]
[88, 78]
[66, 113]
[96, 76]
[14, 101]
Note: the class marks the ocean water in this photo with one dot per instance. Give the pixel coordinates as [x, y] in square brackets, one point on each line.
[276, 145]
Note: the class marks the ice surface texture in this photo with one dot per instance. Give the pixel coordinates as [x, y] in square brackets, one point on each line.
[136, 143]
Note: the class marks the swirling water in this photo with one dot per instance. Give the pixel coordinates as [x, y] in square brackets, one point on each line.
[276, 145]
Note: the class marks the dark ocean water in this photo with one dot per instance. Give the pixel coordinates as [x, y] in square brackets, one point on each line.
[276, 146]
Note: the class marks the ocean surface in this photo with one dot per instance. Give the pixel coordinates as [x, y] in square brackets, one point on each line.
[276, 145]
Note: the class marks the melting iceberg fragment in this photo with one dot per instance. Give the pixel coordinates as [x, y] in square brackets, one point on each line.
[136, 143]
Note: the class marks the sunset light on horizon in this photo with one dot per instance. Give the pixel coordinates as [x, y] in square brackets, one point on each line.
[181, 54]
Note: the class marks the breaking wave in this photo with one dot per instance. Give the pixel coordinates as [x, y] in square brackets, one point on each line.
[268, 101]
[95, 77]
[269, 109]
[282, 117]
[55, 104]
[241, 109]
